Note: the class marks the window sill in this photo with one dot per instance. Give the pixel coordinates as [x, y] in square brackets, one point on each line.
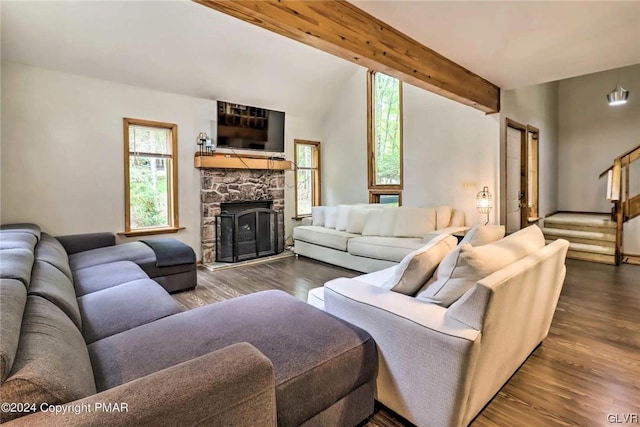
[150, 231]
[300, 218]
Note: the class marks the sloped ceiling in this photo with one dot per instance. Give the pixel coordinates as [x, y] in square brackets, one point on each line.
[173, 46]
[521, 43]
[182, 47]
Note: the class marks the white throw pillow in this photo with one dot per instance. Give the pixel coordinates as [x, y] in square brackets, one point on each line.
[357, 219]
[483, 234]
[443, 217]
[418, 266]
[317, 216]
[343, 217]
[414, 222]
[475, 263]
[330, 216]
[372, 223]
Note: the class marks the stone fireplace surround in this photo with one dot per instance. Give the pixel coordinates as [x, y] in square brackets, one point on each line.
[235, 185]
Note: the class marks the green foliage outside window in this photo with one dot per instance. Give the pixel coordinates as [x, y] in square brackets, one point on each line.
[387, 123]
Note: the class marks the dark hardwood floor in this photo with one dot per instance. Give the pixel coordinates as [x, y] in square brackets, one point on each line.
[587, 371]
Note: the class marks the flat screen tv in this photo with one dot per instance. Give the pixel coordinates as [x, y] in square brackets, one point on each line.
[249, 128]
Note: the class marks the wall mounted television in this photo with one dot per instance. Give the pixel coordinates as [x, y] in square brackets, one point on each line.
[241, 127]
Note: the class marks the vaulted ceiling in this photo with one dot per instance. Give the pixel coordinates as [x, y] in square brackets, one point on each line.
[185, 48]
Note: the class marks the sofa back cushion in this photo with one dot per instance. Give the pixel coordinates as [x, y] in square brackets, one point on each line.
[13, 297]
[330, 216]
[52, 363]
[472, 264]
[52, 285]
[414, 222]
[317, 216]
[417, 267]
[443, 217]
[16, 264]
[51, 251]
[33, 229]
[357, 219]
[17, 240]
[342, 217]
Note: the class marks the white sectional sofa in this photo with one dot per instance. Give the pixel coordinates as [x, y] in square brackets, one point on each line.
[442, 355]
[371, 237]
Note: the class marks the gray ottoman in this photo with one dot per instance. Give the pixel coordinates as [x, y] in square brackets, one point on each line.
[325, 368]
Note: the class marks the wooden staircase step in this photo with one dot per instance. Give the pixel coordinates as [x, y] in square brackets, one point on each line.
[580, 219]
[586, 256]
[579, 234]
[594, 249]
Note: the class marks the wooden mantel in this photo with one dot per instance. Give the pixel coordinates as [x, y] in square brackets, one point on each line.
[342, 29]
[236, 162]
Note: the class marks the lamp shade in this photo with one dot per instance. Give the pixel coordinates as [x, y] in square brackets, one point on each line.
[618, 96]
[484, 201]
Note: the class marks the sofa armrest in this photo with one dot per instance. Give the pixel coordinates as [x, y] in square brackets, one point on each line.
[231, 386]
[454, 231]
[401, 307]
[83, 242]
[427, 360]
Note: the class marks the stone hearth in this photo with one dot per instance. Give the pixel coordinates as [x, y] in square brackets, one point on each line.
[235, 185]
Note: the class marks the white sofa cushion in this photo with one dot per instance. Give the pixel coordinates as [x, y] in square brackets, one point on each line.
[330, 216]
[475, 263]
[372, 223]
[357, 219]
[342, 219]
[417, 267]
[317, 216]
[315, 297]
[443, 217]
[414, 222]
[388, 222]
[385, 248]
[323, 236]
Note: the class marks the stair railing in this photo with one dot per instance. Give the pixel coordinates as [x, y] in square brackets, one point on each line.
[624, 207]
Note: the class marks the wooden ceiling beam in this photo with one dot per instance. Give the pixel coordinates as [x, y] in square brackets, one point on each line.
[342, 29]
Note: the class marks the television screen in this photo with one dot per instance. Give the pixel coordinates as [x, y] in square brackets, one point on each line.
[249, 128]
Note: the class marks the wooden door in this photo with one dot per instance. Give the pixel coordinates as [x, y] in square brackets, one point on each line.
[516, 176]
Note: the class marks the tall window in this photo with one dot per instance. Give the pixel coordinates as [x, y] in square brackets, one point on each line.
[151, 177]
[307, 160]
[384, 148]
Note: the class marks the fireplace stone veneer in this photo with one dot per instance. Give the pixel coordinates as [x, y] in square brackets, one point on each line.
[236, 185]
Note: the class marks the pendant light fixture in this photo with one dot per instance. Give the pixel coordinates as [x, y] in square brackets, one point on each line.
[618, 96]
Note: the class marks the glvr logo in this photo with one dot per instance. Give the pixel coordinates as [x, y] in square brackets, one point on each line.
[629, 418]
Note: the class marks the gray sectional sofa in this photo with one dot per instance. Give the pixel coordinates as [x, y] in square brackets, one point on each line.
[90, 330]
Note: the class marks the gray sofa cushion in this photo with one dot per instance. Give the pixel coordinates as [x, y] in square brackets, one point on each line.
[133, 251]
[53, 243]
[52, 365]
[119, 308]
[16, 264]
[386, 248]
[13, 297]
[103, 276]
[17, 239]
[50, 283]
[49, 252]
[33, 229]
[322, 236]
[317, 358]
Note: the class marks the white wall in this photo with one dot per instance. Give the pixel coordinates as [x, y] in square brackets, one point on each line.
[537, 106]
[62, 150]
[592, 134]
[344, 144]
[450, 150]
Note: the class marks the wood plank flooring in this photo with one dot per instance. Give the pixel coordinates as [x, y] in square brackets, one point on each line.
[587, 368]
